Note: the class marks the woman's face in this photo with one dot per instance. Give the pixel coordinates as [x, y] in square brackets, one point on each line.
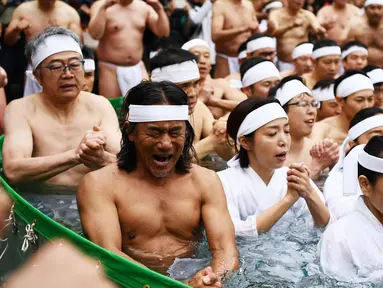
[302, 114]
[271, 143]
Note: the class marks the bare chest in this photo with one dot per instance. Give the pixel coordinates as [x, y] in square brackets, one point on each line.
[296, 32]
[237, 16]
[126, 19]
[371, 37]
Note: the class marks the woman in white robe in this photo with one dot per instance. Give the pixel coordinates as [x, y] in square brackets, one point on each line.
[351, 249]
[258, 188]
[366, 124]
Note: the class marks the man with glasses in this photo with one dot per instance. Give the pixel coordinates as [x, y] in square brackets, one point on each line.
[262, 46]
[354, 91]
[54, 138]
[301, 107]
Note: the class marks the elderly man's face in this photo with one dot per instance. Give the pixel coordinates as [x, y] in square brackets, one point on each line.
[159, 145]
[63, 85]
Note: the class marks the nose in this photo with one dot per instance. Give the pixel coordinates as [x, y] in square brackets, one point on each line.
[332, 67]
[202, 60]
[165, 142]
[67, 73]
[283, 139]
[338, 110]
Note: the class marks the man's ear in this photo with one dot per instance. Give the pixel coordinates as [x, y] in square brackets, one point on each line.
[37, 74]
[247, 91]
[245, 143]
[365, 186]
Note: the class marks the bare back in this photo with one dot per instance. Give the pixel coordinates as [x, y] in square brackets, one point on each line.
[121, 43]
[201, 121]
[371, 37]
[331, 128]
[61, 15]
[32, 125]
[287, 41]
[341, 21]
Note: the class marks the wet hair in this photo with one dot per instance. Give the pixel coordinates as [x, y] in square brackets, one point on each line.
[374, 147]
[256, 36]
[153, 93]
[369, 68]
[242, 47]
[344, 76]
[170, 56]
[324, 43]
[237, 116]
[364, 114]
[87, 52]
[323, 84]
[35, 42]
[249, 63]
[352, 44]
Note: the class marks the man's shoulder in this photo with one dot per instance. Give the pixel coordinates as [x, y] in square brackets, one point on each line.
[101, 177]
[353, 9]
[94, 100]
[202, 176]
[26, 6]
[21, 105]
[325, 9]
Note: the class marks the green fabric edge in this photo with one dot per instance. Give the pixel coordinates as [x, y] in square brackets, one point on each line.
[118, 269]
[117, 104]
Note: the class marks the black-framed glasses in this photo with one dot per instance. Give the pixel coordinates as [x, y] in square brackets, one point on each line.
[305, 104]
[59, 69]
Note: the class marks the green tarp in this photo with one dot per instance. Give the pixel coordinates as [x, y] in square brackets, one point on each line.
[118, 269]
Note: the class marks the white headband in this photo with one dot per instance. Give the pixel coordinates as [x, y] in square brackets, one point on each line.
[326, 94]
[376, 75]
[352, 84]
[370, 162]
[359, 129]
[177, 73]
[89, 65]
[291, 89]
[326, 51]
[275, 4]
[259, 117]
[354, 49]
[260, 43]
[242, 55]
[302, 50]
[155, 113]
[260, 72]
[52, 45]
[194, 43]
[235, 83]
[372, 2]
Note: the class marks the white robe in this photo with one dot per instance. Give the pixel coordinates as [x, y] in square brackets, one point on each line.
[248, 196]
[351, 249]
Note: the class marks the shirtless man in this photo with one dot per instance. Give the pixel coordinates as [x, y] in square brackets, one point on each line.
[53, 138]
[217, 94]
[149, 208]
[336, 18]
[368, 29]
[354, 91]
[180, 67]
[376, 75]
[233, 22]
[302, 60]
[323, 92]
[31, 18]
[354, 55]
[263, 46]
[235, 79]
[291, 26]
[258, 77]
[119, 26]
[326, 55]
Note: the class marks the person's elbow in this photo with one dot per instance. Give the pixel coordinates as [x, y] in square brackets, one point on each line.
[214, 36]
[94, 32]
[13, 173]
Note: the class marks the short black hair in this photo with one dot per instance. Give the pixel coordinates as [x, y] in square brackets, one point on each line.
[242, 47]
[364, 114]
[170, 56]
[153, 93]
[323, 84]
[370, 68]
[249, 63]
[353, 43]
[306, 42]
[374, 147]
[324, 43]
[345, 75]
[87, 52]
[237, 116]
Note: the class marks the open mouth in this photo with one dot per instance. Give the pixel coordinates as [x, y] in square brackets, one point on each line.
[310, 121]
[66, 86]
[281, 156]
[162, 158]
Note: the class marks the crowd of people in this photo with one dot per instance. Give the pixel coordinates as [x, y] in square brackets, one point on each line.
[284, 95]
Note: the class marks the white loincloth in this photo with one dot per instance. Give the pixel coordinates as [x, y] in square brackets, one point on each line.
[232, 62]
[31, 84]
[285, 66]
[127, 77]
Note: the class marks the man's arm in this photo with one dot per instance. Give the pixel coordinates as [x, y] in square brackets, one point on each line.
[16, 26]
[352, 33]
[75, 24]
[219, 227]
[98, 213]
[157, 19]
[217, 31]
[19, 165]
[97, 23]
[316, 27]
[276, 30]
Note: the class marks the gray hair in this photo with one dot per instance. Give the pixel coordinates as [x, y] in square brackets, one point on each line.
[34, 43]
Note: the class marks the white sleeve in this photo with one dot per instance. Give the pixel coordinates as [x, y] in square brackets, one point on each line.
[197, 16]
[242, 228]
[335, 258]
